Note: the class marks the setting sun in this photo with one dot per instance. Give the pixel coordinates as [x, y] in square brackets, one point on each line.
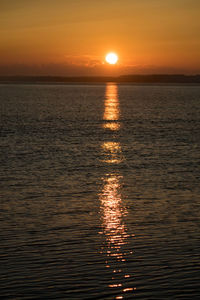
[111, 58]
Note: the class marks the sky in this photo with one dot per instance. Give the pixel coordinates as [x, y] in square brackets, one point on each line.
[71, 38]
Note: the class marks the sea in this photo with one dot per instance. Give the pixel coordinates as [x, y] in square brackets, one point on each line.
[100, 191]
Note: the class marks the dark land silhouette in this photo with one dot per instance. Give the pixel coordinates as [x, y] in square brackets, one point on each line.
[137, 79]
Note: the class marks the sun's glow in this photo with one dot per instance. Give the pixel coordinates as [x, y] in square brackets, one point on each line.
[111, 58]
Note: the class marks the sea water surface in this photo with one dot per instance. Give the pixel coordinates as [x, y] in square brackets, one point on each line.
[100, 192]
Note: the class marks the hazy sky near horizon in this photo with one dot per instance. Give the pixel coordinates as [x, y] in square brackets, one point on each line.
[48, 37]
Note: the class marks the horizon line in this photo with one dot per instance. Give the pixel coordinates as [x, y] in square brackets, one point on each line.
[129, 78]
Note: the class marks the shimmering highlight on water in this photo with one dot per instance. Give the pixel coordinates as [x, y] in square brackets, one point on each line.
[111, 111]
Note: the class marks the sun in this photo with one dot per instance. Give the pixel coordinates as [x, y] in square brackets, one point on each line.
[111, 58]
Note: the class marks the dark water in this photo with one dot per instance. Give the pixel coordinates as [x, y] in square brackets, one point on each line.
[100, 190]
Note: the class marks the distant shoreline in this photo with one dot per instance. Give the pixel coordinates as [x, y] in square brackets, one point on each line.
[159, 79]
[99, 83]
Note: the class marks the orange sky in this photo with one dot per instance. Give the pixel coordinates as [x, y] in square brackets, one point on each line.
[61, 37]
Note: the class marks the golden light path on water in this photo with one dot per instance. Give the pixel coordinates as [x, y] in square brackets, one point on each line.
[112, 152]
[113, 210]
[111, 108]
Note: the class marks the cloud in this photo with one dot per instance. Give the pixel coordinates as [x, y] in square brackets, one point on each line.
[83, 60]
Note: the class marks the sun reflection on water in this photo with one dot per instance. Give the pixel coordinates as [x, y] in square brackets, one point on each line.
[111, 110]
[112, 152]
[113, 210]
[115, 247]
